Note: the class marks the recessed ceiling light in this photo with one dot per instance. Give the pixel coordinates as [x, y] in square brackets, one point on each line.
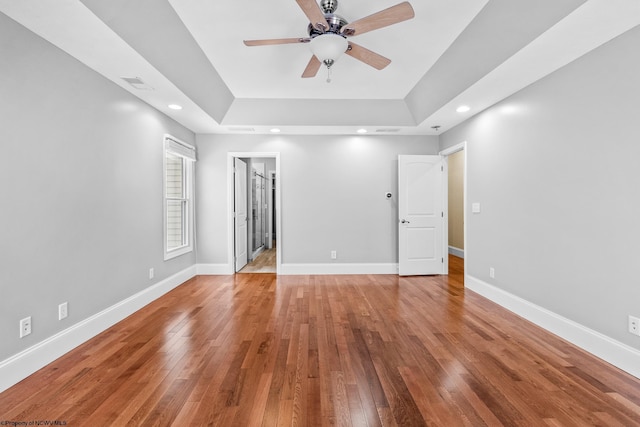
[361, 131]
[463, 109]
[175, 106]
[275, 130]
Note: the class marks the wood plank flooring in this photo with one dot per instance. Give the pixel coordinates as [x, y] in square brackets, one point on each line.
[265, 262]
[262, 350]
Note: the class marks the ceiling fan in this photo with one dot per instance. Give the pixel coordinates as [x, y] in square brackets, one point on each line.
[328, 34]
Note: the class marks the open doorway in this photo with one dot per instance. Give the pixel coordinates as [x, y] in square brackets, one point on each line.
[456, 201]
[262, 258]
[260, 199]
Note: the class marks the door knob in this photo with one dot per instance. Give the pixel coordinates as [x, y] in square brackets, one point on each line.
[404, 221]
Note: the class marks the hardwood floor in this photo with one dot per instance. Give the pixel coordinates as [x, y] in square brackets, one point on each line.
[265, 262]
[262, 350]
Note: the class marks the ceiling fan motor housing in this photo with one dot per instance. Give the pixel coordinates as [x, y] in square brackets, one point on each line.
[334, 22]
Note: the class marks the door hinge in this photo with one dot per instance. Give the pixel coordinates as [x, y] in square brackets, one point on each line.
[442, 260]
[441, 168]
[442, 214]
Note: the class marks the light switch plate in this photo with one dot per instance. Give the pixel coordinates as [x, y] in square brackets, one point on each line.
[475, 207]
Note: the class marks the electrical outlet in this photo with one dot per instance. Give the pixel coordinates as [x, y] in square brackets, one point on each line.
[151, 273]
[334, 255]
[634, 325]
[25, 327]
[63, 311]
[492, 272]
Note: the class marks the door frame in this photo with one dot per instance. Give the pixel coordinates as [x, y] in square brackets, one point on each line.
[271, 177]
[239, 179]
[230, 195]
[462, 146]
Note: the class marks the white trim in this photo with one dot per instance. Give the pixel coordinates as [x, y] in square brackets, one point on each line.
[214, 270]
[444, 161]
[257, 252]
[343, 268]
[614, 352]
[456, 251]
[19, 366]
[462, 146]
[307, 269]
[453, 149]
[270, 188]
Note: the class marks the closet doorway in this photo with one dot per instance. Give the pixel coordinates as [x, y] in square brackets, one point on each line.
[261, 203]
[456, 157]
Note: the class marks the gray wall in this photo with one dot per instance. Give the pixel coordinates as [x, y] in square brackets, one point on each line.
[81, 171]
[555, 168]
[332, 194]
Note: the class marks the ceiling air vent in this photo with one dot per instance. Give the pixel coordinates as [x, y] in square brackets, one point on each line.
[137, 83]
[388, 130]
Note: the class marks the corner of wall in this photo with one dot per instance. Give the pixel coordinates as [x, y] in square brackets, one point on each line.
[606, 348]
[18, 367]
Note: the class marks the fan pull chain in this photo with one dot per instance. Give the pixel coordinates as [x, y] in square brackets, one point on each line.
[328, 74]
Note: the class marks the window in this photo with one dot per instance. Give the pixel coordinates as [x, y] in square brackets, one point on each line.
[178, 194]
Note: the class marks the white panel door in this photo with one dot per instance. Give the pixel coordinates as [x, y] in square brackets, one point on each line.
[420, 215]
[240, 213]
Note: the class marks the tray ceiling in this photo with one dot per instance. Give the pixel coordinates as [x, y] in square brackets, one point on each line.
[454, 52]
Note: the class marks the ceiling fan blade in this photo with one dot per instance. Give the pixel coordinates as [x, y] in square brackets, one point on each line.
[312, 67]
[398, 13]
[368, 57]
[314, 13]
[276, 41]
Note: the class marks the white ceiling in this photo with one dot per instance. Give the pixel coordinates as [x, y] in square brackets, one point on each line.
[454, 52]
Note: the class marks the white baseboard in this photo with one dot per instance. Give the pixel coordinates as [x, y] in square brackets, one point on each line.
[456, 251]
[214, 269]
[21, 365]
[612, 351]
[337, 268]
[304, 269]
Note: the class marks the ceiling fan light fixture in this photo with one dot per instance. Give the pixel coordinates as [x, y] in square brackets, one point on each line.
[328, 47]
[328, 34]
